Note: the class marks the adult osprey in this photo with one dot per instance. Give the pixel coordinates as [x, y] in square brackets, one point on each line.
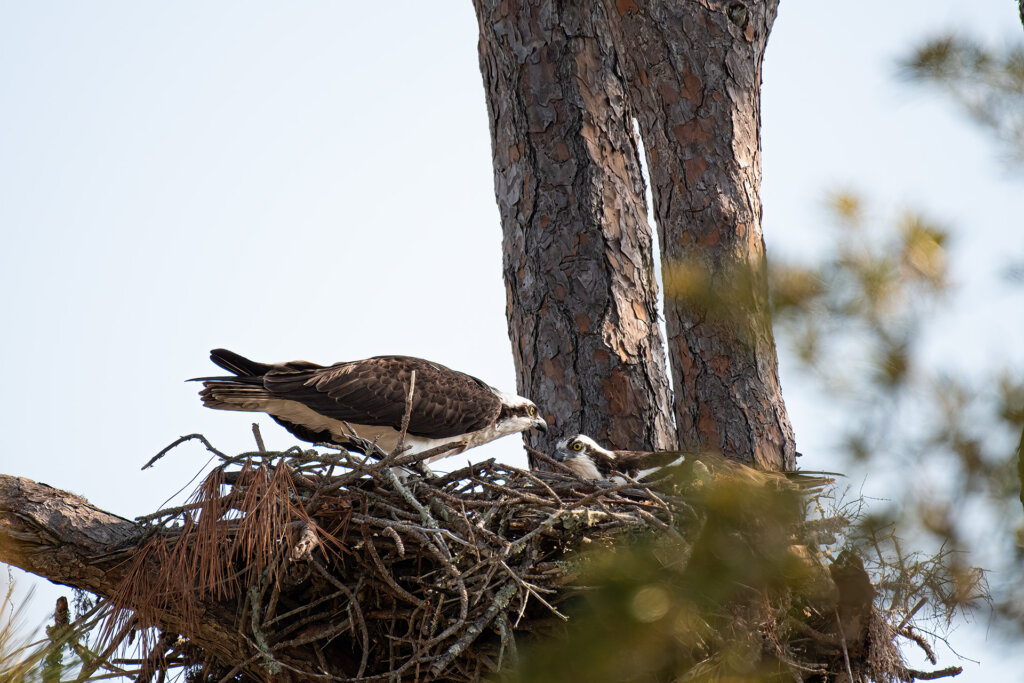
[366, 398]
[588, 460]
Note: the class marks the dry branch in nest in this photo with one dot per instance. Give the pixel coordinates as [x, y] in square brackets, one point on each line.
[343, 567]
[331, 565]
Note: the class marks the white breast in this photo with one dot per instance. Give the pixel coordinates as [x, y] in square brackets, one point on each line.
[584, 468]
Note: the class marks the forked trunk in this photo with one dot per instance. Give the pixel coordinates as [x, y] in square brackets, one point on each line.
[582, 294]
[563, 82]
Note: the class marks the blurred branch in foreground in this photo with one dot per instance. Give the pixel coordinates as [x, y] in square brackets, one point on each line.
[857, 323]
[987, 82]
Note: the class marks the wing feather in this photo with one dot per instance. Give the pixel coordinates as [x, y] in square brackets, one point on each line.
[372, 392]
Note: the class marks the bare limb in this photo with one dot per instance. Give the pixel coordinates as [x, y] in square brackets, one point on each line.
[181, 440]
[932, 675]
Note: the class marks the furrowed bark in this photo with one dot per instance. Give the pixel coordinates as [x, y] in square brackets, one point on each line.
[694, 71]
[582, 296]
[62, 537]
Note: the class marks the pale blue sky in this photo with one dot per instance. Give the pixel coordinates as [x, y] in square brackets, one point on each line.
[313, 180]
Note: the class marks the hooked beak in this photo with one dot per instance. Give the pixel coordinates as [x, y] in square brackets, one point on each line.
[540, 424]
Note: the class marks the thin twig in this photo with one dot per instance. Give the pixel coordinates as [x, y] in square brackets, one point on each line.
[532, 590]
[921, 642]
[259, 438]
[500, 601]
[425, 515]
[842, 639]
[390, 531]
[177, 442]
[354, 604]
[932, 675]
[386, 575]
[911, 613]
[269, 663]
[406, 416]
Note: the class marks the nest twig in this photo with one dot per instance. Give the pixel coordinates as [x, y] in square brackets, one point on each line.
[344, 566]
[386, 574]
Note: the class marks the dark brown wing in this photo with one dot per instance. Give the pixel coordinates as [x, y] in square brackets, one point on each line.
[372, 392]
[631, 462]
[722, 467]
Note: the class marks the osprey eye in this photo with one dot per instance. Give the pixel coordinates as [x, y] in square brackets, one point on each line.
[577, 446]
[531, 410]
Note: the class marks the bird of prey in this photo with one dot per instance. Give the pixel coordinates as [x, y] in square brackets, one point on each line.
[590, 461]
[366, 398]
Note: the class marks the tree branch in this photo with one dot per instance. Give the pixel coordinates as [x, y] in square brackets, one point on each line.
[63, 538]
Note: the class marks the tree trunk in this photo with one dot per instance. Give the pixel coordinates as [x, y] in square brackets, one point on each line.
[582, 296]
[563, 81]
[694, 72]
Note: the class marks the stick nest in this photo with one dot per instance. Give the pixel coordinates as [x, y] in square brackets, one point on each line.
[329, 565]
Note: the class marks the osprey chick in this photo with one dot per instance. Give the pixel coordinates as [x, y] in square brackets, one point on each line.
[366, 398]
[590, 461]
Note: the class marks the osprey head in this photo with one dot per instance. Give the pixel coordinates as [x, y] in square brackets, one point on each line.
[519, 414]
[583, 456]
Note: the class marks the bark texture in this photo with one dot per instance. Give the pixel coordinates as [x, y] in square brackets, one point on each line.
[62, 537]
[57, 535]
[694, 71]
[582, 294]
[563, 82]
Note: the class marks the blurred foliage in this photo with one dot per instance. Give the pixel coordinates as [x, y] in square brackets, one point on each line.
[857, 322]
[988, 83]
[659, 607]
[61, 655]
[864, 301]
[867, 306]
[12, 644]
[757, 590]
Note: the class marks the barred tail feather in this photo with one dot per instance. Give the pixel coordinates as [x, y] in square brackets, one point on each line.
[224, 395]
